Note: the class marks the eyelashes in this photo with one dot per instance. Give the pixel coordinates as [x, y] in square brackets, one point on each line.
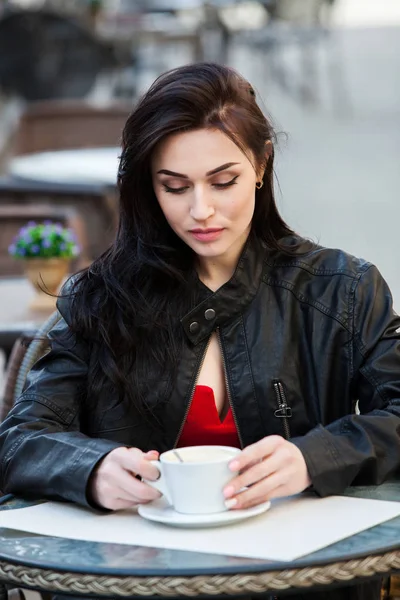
[227, 184]
[181, 190]
[171, 190]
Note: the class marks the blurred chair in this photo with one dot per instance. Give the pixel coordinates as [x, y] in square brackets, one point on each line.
[296, 30]
[46, 55]
[26, 351]
[301, 12]
[95, 208]
[62, 125]
[14, 216]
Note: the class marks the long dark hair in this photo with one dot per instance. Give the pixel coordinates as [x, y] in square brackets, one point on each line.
[128, 303]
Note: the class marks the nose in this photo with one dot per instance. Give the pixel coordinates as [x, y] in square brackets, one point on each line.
[202, 205]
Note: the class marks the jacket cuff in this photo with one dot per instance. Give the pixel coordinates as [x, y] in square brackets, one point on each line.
[80, 473]
[322, 460]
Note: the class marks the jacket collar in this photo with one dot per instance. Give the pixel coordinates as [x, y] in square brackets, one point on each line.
[230, 299]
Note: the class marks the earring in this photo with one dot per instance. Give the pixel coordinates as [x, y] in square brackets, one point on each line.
[259, 185]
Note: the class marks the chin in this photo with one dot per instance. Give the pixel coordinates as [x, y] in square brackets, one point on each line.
[212, 249]
[208, 252]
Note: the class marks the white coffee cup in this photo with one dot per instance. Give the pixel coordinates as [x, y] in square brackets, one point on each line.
[195, 486]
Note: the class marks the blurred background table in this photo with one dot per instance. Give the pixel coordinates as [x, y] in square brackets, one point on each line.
[69, 167]
[16, 318]
[62, 166]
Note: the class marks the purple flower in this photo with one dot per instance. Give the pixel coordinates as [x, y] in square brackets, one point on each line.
[35, 249]
[58, 228]
[32, 224]
[70, 235]
[63, 247]
[21, 251]
[46, 243]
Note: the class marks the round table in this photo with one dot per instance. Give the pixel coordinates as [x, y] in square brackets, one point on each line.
[112, 570]
[16, 318]
[78, 167]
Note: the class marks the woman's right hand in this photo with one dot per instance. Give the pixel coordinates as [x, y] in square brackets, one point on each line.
[114, 484]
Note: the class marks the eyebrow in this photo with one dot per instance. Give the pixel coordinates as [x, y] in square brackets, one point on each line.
[212, 172]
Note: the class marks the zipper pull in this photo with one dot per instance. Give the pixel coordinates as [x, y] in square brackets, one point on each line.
[284, 411]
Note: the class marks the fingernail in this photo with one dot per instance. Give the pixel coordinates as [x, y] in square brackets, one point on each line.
[230, 503]
[234, 465]
[229, 491]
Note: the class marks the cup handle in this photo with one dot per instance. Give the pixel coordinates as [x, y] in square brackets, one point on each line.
[160, 484]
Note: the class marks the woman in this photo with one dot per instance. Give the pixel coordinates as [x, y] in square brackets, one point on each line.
[209, 320]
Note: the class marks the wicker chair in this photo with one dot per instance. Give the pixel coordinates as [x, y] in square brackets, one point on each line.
[25, 353]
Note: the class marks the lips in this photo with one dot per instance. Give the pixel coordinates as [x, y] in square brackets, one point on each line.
[209, 230]
[207, 235]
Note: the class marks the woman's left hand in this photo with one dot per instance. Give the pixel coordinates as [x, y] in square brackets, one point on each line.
[270, 468]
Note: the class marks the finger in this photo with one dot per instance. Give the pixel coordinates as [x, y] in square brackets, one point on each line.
[279, 492]
[143, 466]
[109, 499]
[257, 471]
[261, 490]
[256, 452]
[151, 455]
[122, 495]
[136, 462]
[133, 488]
[122, 504]
[249, 465]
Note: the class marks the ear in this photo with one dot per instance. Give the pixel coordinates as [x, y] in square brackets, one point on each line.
[267, 155]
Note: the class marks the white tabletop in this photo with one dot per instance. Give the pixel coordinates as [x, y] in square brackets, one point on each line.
[15, 314]
[81, 166]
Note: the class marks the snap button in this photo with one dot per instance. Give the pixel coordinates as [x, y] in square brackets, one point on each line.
[194, 327]
[209, 314]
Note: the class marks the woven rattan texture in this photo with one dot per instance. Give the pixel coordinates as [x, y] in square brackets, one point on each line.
[207, 585]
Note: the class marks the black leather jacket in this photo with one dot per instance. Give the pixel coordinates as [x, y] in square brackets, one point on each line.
[303, 338]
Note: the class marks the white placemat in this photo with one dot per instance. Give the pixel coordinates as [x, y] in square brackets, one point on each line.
[292, 528]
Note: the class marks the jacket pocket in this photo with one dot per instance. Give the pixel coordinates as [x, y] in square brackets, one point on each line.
[283, 412]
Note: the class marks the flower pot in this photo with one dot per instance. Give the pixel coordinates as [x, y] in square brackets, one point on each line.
[46, 276]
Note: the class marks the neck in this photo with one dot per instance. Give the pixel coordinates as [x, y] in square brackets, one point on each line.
[216, 271]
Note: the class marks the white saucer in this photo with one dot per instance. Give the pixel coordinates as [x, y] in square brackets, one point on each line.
[162, 512]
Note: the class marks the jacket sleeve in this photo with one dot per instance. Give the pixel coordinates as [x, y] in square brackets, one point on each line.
[363, 449]
[42, 450]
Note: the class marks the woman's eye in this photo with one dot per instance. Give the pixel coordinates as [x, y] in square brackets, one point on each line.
[182, 190]
[172, 190]
[227, 184]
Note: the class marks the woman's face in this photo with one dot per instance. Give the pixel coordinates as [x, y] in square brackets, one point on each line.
[205, 186]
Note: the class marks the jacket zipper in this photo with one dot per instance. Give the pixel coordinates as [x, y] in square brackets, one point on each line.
[227, 387]
[283, 411]
[192, 392]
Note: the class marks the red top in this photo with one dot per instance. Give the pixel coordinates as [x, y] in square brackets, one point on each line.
[203, 425]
